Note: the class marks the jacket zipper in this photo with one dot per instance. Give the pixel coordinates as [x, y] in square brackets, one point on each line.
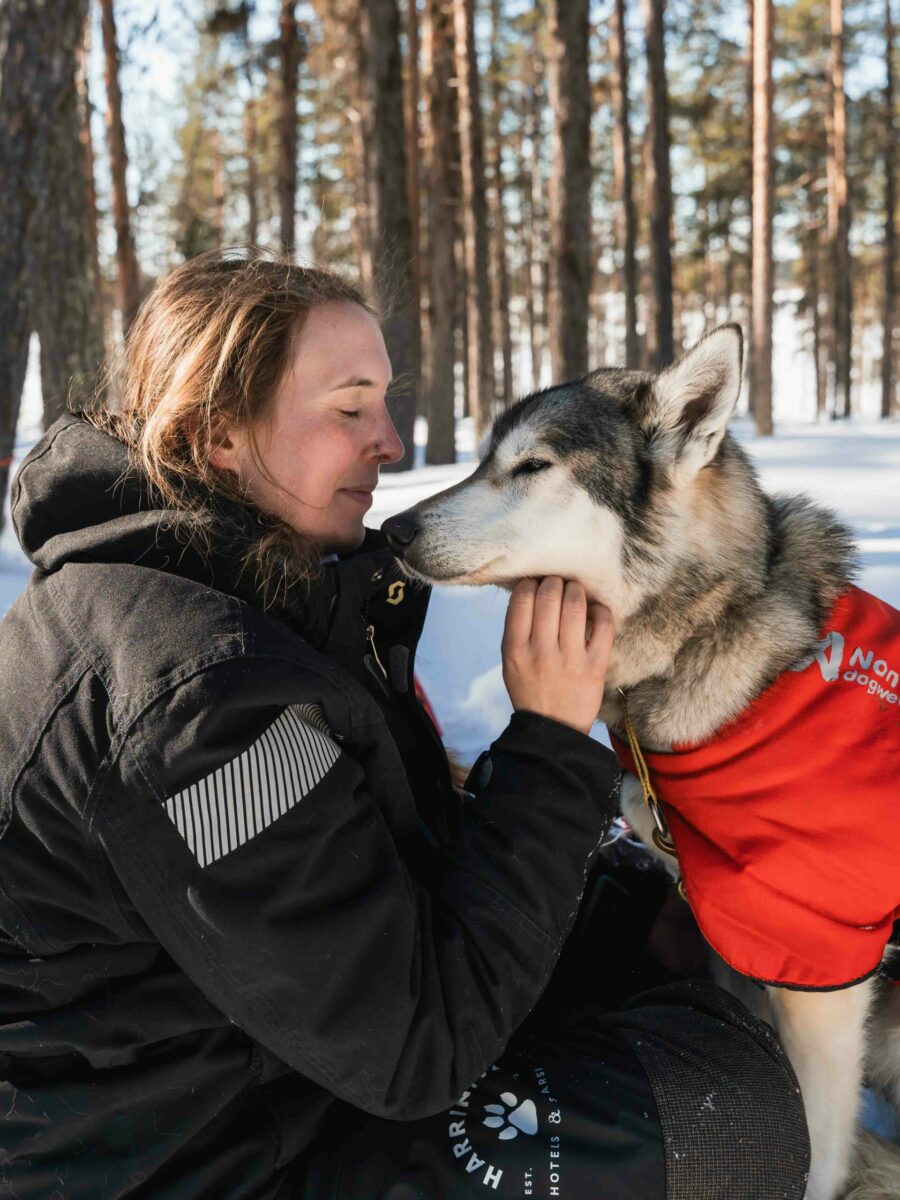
[370, 634]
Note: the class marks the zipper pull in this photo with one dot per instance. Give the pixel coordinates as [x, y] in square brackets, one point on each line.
[370, 633]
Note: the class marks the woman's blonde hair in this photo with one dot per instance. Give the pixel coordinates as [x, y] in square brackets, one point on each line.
[207, 351]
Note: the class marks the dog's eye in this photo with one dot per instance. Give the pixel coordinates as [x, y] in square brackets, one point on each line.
[530, 466]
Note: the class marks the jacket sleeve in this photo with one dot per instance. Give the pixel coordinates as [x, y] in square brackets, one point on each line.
[261, 855]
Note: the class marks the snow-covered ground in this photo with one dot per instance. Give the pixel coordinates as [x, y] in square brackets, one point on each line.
[855, 468]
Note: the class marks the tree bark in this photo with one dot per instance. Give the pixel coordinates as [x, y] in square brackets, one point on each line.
[251, 141]
[475, 223]
[128, 276]
[748, 297]
[661, 334]
[291, 53]
[440, 215]
[23, 140]
[85, 109]
[570, 188]
[624, 180]
[761, 297]
[812, 254]
[361, 134]
[889, 402]
[502, 330]
[839, 221]
[389, 210]
[413, 156]
[218, 188]
[533, 206]
[46, 262]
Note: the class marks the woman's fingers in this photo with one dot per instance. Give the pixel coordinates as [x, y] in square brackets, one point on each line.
[547, 604]
[600, 635]
[519, 614]
[555, 651]
[573, 618]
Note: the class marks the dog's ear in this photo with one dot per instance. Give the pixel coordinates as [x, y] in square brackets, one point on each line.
[693, 401]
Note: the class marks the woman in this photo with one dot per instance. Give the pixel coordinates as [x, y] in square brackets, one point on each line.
[255, 943]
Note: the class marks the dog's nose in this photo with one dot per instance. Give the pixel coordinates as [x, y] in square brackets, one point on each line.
[400, 532]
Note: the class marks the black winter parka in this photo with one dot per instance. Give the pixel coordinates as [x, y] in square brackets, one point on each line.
[237, 890]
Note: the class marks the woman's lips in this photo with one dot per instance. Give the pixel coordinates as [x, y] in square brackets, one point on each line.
[360, 495]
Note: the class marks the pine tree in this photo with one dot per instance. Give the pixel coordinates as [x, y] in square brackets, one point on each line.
[440, 216]
[128, 275]
[761, 323]
[889, 400]
[479, 347]
[839, 221]
[570, 188]
[502, 331]
[291, 47]
[627, 218]
[46, 261]
[389, 208]
[661, 333]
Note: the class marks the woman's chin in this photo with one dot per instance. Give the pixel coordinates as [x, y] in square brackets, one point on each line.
[344, 540]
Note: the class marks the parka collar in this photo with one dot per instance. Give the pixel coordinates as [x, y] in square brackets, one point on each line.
[75, 498]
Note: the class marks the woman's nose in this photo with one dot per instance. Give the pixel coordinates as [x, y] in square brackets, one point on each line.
[390, 447]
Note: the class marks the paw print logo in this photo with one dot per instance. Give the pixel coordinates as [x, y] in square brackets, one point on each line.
[511, 1118]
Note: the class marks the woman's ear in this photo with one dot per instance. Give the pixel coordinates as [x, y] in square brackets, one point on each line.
[221, 445]
[225, 449]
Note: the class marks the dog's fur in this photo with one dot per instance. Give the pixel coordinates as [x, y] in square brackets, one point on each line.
[630, 483]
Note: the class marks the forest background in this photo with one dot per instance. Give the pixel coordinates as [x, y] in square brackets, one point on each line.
[527, 190]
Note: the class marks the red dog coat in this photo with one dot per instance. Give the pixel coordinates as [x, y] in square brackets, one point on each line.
[787, 821]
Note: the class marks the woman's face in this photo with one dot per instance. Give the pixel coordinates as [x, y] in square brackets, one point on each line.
[326, 432]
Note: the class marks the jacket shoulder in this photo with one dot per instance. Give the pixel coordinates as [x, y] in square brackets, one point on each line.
[144, 630]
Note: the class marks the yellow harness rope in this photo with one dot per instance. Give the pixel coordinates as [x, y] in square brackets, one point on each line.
[662, 838]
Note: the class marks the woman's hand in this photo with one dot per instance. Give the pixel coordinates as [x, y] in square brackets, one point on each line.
[555, 649]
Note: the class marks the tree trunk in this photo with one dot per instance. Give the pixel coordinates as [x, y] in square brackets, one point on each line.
[761, 297]
[889, 403]
[533, 209]
[839, 220]
[413, 156]
[748, 297]
[26, 49]
[812, 251]
[129, 289]
[361, 134]
[291, 53]
[218, 188]
[570, 188]
[440, 215]
[661, 334]
[251, 143]
[502, 330]
[624, 186]
[65, 310]
[85, 110]
[389, 210]
[475, 224]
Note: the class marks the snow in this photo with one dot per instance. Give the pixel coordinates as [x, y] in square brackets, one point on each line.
[853, 467]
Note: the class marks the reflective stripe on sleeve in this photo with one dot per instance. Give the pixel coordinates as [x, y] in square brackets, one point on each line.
[239, 800]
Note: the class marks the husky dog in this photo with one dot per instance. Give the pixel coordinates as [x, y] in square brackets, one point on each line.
[630, 483]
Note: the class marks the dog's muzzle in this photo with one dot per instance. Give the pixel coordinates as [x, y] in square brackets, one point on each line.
[400, 532]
